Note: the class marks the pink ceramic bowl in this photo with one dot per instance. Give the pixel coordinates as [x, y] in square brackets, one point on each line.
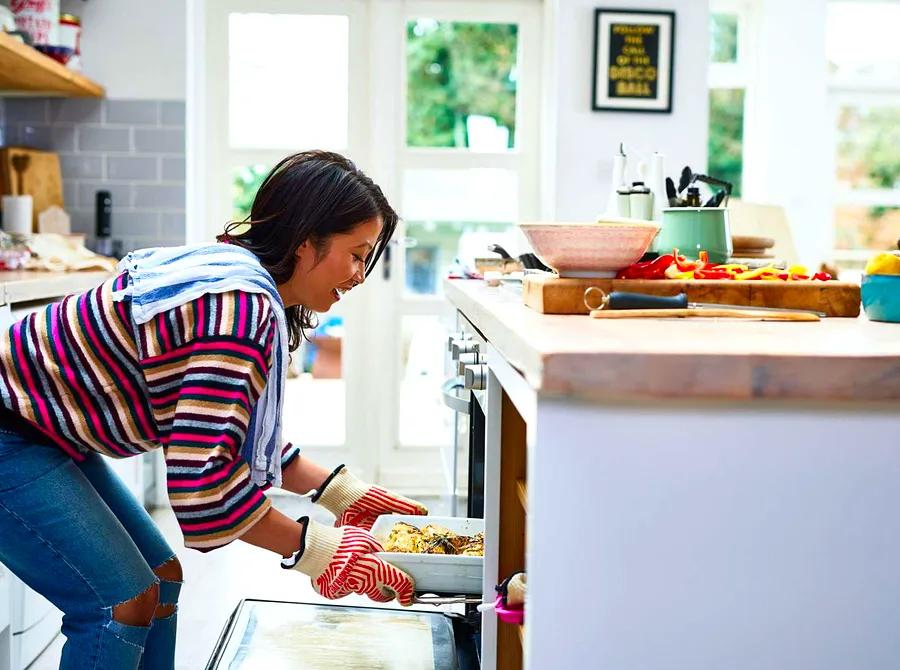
[590, 249]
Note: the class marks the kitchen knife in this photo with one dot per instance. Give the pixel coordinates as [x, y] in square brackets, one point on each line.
[624, 300]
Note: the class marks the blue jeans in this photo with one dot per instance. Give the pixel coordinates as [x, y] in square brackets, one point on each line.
[73, 533]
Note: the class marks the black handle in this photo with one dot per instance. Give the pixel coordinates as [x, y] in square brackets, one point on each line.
[623, 300]
[497, 249]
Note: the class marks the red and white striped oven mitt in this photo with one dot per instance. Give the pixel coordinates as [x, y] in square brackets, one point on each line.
[340, 561]
[355, 503]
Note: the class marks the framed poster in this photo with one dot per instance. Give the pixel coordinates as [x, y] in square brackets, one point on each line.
[634, 53]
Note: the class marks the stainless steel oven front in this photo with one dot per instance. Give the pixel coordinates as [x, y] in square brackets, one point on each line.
[464, 392]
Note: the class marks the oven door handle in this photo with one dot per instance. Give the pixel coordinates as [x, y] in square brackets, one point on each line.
[452, 400]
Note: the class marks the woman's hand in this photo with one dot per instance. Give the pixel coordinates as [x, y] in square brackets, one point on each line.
[356, 503]
[340, 561]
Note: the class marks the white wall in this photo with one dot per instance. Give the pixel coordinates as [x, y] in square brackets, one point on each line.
[585, 141]
[135, 48]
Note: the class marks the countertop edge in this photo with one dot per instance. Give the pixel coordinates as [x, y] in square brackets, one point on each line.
[31, 286]
[853, 377]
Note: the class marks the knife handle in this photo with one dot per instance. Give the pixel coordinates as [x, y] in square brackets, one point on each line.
[624, 300]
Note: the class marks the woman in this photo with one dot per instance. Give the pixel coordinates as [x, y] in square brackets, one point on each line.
[186, 349]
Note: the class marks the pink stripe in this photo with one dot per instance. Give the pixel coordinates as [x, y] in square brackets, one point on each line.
[200, 318]
[100, 349]
[130, 389]
[187, 438]
[227, 521]
[91, 417]
[163, 332]
[198, 346]
[29, 382]
[241, 315]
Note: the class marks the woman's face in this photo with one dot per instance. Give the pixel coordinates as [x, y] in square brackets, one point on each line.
[317, 283]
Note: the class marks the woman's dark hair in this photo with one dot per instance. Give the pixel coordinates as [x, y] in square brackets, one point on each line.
[311, 196]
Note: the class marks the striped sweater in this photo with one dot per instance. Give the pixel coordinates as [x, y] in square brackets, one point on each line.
[89, 379]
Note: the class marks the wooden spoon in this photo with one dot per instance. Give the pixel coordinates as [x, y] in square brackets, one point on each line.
[20, 163]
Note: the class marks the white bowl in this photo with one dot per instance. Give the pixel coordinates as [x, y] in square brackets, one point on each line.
[436, 573]
[598, 249]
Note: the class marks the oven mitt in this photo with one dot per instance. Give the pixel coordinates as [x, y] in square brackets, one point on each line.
[340, 561]
[355, 503]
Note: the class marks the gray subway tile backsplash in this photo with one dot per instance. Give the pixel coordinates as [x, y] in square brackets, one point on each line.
[75, 110]
[33, 110]
[97, 138]
[133, 112]
[80, 166]
[135, 168]
[167, 196]
[159, 140]
[137, 223]
[172, 113]
[173, 169]
[132, 148]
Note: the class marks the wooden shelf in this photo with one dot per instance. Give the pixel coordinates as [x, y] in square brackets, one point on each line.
[26, 71]
[522, 492]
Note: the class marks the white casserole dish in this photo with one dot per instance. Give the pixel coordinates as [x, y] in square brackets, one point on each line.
[436, 573]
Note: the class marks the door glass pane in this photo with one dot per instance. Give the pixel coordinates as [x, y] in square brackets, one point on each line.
[453, 215]
[461, 84]
[723, 36]
[424, 419]
[861, 40]
[441, 245]
[726, 135]
[867, 151]
[861, 227]
[314, 403]
[245, 183]
[288, 81]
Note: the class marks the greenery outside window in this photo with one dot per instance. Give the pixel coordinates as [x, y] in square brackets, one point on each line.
[728, 92]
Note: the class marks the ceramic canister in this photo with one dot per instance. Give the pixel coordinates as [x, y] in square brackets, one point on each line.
[695, 229]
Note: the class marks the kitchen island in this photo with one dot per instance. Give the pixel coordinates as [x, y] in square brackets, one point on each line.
[697, 494]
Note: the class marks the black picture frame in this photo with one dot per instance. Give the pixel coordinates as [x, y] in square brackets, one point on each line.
[629, 89]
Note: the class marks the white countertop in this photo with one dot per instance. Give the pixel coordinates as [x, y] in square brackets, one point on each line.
[846, 359]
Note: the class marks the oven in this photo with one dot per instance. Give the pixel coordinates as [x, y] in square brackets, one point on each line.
[464, 393]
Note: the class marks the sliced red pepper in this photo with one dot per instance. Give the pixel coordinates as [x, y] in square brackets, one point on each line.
[822, 276]
[655, 269]
[711, 274]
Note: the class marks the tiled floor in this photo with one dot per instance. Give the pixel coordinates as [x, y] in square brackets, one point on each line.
[216, 581]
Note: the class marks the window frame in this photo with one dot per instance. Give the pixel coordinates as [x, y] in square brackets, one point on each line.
[849, 90]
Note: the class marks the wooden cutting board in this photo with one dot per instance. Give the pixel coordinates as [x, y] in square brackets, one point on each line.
[549, 294]
[42, 178]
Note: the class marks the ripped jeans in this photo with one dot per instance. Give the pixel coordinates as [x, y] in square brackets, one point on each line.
[73, 533]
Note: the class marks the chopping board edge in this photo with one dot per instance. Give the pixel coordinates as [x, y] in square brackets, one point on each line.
[554, 295]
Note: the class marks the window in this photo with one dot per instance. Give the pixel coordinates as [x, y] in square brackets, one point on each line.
[864, 71]
[728, 83]
[461, 84]
[463, 170]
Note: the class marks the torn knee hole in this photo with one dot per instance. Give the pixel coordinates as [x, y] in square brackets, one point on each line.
[139, 610]
[170, 571]
[165, 611]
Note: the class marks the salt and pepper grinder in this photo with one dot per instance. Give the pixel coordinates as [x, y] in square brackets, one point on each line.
[103, 219]
[641, 201]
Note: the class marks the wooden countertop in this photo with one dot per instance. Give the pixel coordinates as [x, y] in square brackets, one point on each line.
[845, 359]
[27, 286]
